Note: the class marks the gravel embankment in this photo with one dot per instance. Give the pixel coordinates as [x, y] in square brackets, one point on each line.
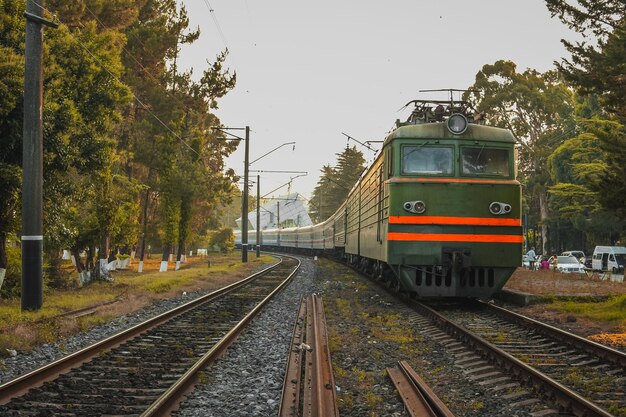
[247, 381]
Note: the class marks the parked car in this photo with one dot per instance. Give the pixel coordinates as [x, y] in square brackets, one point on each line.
[569, 264]
[580, 255]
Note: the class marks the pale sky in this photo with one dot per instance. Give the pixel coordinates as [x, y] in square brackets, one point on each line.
[308, 71]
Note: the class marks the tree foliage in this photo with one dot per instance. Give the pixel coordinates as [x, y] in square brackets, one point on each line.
[120, 120]
[596, 68]
[335, 183]
[538, 109]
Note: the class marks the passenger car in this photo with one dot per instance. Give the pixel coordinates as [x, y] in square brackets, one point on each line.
[569, 264]
[580, 255]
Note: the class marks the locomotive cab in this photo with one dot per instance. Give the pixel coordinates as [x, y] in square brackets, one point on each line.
[454, 217]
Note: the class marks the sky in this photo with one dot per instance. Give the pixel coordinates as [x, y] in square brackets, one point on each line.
[310, 71]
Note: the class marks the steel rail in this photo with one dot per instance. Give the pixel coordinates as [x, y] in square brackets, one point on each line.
[37, 377]
[608, 354]
[419, 400]
[309, 385]
[568, 400]
[170, 399]
[319, 390]
[290, 398]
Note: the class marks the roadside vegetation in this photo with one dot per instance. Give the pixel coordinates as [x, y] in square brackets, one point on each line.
[612, 310]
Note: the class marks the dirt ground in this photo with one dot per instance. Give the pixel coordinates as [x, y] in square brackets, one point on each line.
[556, 283]
[545, 282]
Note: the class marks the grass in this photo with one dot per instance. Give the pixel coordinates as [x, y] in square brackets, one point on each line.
[23, 330]
[613, 310]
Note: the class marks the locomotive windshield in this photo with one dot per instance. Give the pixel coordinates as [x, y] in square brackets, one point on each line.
[433, 160]
[485, 161]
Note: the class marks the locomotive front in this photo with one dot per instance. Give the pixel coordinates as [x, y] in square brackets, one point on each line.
[454, 219]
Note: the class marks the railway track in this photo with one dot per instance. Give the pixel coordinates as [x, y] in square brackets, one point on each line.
[146, 369]
[580, 377]
[419, 399]
[309, 387]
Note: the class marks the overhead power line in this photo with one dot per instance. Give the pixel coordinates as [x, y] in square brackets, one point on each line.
[217, 24]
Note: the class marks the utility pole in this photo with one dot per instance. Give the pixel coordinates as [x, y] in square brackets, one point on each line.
[244, 196]
[32, 162]
[258, 216]
[244, 205]
[278, 222]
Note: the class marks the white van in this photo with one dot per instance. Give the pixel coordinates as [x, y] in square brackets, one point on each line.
[609, 258]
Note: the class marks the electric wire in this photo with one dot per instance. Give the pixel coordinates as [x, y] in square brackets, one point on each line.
[217, 24]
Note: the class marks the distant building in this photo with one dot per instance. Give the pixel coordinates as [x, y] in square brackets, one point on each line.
[288, 209]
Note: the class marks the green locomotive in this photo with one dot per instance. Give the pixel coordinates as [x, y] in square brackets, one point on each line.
[438, 213]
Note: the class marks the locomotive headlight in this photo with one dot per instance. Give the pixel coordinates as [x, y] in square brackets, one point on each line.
[417, 207]
[499, 208]
[495, 208]
[457, 124]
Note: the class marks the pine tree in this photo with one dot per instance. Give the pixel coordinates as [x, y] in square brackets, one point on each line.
[335, 183]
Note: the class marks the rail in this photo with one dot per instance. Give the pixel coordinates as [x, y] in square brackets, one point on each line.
[568, 400]
[309, 387]
[419, 400]
[37, 377]
[609, 354]
[170, 399]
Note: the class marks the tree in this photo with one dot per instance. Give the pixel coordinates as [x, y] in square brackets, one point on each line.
[168, 143]
[11, 93]
[597, 69]
[537, 108]
[321, 204]
[335, 183]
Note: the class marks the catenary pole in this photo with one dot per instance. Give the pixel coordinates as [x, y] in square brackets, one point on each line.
[258, 216]
[244, 203]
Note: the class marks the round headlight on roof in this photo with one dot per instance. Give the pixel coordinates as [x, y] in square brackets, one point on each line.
[457, 124]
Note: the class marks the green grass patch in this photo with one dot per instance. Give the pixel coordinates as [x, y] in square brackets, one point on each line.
[57, 302]
[612, 310]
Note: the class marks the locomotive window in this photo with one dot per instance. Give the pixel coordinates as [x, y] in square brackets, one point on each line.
[427, 160]
[485, 161]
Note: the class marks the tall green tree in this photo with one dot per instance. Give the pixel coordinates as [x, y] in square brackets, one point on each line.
[168, 144]
[11, 93]
[321, 203]
[335, 183]
[537, 108]
[81, 110]
[598, 66]
[598, 69]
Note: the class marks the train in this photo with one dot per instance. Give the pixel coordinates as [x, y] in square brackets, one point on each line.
[437, 214]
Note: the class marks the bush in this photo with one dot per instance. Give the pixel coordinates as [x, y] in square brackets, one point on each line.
[12, 285]
[223, 238]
